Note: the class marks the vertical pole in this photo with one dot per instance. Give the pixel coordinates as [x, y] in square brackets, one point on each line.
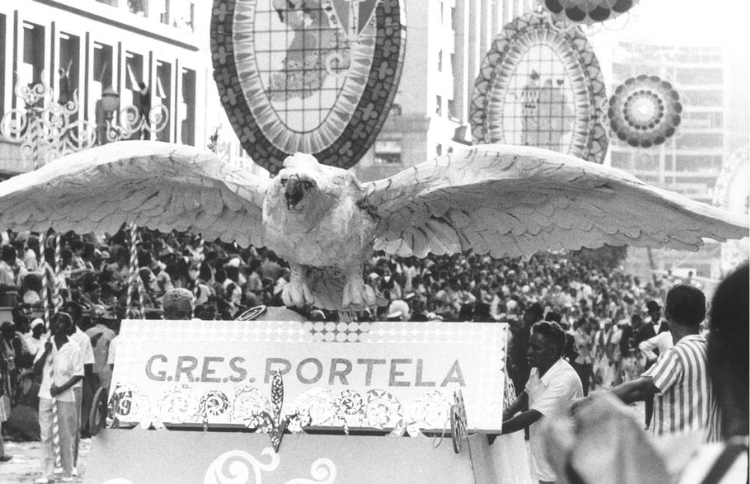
[132, 311]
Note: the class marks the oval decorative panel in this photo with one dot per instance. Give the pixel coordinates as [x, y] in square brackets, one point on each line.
[540, 85]
[311, 76]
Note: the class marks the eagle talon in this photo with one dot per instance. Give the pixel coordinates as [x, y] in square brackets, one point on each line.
[357, 295]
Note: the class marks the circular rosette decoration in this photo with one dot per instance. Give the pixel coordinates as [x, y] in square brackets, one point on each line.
[128, 404]
[540, 85]
[314, 407]
[349, 407]
[429, 411]
[644, 111]
[178, 405]
[588, 11]
[213, 403]
[313, 76]
[250, 407]
[383, 410]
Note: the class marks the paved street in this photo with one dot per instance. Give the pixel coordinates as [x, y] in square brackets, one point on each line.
[25, 466]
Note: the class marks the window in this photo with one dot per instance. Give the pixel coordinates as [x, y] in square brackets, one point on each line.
[439, 105]
[452, 114]
[388, 152]
[134, 71]
[103, 64]
[137, 7]
[703, 98]
[439, 149]
[440, 61]
[183, 13]
[68, 68]
[187, 108]
[33, 54]
[621, 160]
[698, 76]
[700, 140]
[163, 94]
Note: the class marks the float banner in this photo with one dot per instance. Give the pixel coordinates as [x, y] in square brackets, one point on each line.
[396, 376]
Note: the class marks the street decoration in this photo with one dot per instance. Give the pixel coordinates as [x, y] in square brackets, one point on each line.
[644, 111]
[588, 11]
[313, 76]
[540, 85]
[731, 193]
[46, 129]
[500, 200]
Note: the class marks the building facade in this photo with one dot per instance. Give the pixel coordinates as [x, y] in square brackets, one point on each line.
[92, 49]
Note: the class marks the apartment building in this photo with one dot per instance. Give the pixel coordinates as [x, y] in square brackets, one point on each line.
[104, 48]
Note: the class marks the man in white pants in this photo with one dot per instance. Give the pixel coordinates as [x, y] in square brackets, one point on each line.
[61, 367]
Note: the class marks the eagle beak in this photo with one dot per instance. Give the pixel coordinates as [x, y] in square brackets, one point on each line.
[294, 192]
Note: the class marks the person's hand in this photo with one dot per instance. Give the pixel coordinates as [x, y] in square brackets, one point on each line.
[48, 346]
[54, 390]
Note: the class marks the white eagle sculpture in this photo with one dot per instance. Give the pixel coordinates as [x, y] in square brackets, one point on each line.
[506, 201]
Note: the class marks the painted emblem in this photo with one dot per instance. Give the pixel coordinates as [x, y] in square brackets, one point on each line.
[540, 85]
[644, 111]
[311, 76]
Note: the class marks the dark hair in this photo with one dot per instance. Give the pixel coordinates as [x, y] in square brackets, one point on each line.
[552, 317]
[76, 244]
[729, 323]
[686, 305]
[552, 331]
[63, 316]
[9, 252]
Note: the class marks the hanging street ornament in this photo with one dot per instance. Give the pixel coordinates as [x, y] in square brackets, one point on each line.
[308, 76]
[644, 111]
[588, 11]
[540, 85]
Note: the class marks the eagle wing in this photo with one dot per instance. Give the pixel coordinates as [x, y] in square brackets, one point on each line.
[511, 201]
[157, 185]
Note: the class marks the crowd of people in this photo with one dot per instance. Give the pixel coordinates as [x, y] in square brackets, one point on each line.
[611, 327]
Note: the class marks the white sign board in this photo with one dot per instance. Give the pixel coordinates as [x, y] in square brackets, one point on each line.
[397, 376]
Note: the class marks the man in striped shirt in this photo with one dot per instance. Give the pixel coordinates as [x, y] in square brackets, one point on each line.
[678, 382]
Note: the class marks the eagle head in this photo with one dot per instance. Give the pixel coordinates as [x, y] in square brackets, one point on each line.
[306, 191]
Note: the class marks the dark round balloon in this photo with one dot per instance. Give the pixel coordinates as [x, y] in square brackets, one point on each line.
[600, 14]
[588, 12]
[553, 6]
[323, 85]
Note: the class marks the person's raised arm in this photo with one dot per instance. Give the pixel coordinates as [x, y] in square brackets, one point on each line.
[42, 358]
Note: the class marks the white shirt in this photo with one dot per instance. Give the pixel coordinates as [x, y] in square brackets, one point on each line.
[34, 345]
[66, 363]
[83, 342]
[112, 351]
[557, 388]
[661, 342]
